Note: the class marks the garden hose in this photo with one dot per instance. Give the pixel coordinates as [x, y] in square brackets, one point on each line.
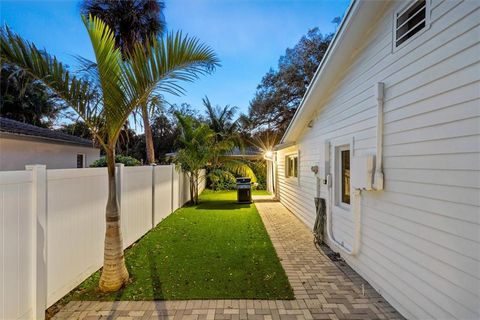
[319, 226]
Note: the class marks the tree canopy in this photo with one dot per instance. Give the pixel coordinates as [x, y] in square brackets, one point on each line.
[280, 91]
[25, 99]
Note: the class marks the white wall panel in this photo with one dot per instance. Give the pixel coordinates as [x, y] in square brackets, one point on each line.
[420, 244]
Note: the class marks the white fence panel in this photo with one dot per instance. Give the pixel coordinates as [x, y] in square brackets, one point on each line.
[162, 192]
[202, 181]
[136, 202]
[76, 202]
[17, 232]
[52, 226]
[184, 188]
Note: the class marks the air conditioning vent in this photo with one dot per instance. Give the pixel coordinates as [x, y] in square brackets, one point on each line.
[410, 21]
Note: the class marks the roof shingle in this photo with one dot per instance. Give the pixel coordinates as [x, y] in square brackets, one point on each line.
[23, 129]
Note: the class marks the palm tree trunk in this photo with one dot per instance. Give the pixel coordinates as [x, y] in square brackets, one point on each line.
[114, 272]
[148, 136]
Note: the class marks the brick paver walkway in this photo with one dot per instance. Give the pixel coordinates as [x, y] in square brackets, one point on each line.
[323, 289]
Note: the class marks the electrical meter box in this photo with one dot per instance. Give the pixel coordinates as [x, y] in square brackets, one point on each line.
[362, 172]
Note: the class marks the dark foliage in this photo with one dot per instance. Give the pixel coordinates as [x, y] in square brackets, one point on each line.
[280, 91]
[26, 100]
[132, 21]
[126, 160]
[78, 128]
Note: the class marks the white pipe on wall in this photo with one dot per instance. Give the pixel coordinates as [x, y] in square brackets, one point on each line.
[378, 177]
[357, 223]
[356, 210]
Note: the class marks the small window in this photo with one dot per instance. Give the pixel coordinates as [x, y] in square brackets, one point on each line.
[342, 176]
[410, 21]
[80, 160]
[345, 176]
[291, 163]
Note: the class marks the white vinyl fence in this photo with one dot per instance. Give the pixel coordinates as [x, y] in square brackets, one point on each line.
[52, 225]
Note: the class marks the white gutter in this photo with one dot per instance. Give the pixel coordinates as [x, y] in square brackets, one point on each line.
[378, 177]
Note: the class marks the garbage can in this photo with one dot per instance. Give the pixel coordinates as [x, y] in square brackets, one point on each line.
[244, 190]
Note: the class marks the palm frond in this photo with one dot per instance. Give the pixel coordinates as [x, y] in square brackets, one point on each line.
[239, 168]
[46, 68]
[170, 60]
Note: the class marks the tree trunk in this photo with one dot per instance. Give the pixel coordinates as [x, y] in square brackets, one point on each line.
[114, 272]
[148, 136]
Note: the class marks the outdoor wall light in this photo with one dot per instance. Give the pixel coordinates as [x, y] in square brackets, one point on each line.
[268, 155]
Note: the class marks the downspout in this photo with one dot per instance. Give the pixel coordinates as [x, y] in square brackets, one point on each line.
[378, 177]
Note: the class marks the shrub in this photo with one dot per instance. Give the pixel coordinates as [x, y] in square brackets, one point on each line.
[260, 170]
[126, 160]
[219, 179]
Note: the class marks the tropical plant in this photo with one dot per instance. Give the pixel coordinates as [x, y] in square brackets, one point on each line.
[222, 168]
[197, 141]
[122, 86]
[137, 22]
[131, 21]
[126, 160]
[221, 120]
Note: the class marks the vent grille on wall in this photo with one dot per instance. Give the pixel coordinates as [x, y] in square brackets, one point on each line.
[410, 21]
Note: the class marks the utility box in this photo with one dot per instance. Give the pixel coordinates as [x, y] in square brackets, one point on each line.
[244, 190]
[362, 172]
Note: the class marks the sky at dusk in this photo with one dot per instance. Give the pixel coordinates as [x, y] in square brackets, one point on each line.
[248, 36]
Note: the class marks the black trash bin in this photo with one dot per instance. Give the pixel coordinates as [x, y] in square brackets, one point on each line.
[244, 190]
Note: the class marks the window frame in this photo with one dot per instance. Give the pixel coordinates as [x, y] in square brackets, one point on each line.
[84, 160]
[402, 9]
[287, 166]
[338, 181]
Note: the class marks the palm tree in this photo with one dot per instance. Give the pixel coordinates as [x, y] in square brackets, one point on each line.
[227, 137]
[133, 22]
[122, 86]
[197, 141]
[221, 119]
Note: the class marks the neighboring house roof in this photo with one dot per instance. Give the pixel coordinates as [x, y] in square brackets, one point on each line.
[249, 152]
[17, 128]
[351, 37]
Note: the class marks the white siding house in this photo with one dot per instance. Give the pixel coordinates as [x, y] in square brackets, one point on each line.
[23, 144]
[399, 88]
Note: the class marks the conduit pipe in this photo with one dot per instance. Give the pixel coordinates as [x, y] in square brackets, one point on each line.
[378, 177]
[357, 223]
[377, 184]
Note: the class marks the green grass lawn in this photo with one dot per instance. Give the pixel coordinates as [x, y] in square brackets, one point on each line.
[216, 250]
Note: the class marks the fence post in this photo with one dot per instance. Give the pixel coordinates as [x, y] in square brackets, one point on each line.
[39, 196]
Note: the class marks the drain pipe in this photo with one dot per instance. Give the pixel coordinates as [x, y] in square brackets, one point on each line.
[357, 221]
[356, 210]
[378, 177]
